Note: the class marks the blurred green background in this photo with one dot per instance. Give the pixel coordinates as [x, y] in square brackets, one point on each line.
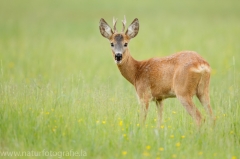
[64, 35]
[60, 90]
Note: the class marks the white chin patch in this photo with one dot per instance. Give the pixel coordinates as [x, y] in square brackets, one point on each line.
[118, 62]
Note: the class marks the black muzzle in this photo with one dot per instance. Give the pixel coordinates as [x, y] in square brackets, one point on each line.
[118, 57]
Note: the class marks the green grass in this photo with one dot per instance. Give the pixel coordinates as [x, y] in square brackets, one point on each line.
[60, 90]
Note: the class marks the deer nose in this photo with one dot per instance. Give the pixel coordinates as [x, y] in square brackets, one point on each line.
[118, 57]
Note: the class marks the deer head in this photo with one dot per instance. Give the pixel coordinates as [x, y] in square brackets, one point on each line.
[119, 40]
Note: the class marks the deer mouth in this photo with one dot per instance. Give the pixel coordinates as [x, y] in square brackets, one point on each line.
[118, 57]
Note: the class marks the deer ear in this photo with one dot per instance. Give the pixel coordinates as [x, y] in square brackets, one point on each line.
[133, 28]
[105, 29]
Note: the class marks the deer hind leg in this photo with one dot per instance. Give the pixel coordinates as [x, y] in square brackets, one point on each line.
[191, 108]
[159, 104]
[203, 94]
[185, 88]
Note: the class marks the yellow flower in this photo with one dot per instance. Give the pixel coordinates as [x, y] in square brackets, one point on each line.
[200, 153]
[104, 122]
[172, 136]
[161, 149]
[47, 113]
[146, 154]
[162, 126]
[11, 65]
[178, 144]
[124, 152]
[234, 157]
[182, 136]
[112, 99]
[148, 147]
[174, 112]
[138, 125]
[120, 123]
[124, 135]
[213, 72]
[174, 156]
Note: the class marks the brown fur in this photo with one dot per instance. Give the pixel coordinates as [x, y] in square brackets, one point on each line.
[180, 75]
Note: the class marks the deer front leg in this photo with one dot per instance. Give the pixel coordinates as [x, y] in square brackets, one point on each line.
[159, 104]
[144, 110]
[144, 99]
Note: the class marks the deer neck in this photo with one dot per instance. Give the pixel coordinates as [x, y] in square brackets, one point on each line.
[128, 67]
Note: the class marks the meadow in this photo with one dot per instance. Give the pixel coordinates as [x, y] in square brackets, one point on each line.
[61, 95]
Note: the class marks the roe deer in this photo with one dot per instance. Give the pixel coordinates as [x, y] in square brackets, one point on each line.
[180, 75]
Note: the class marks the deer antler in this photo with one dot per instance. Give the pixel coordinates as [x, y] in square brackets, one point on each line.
[124, 21]
[114, 25]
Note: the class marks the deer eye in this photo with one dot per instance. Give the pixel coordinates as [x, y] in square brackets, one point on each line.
[125, 45]
[112, 44]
